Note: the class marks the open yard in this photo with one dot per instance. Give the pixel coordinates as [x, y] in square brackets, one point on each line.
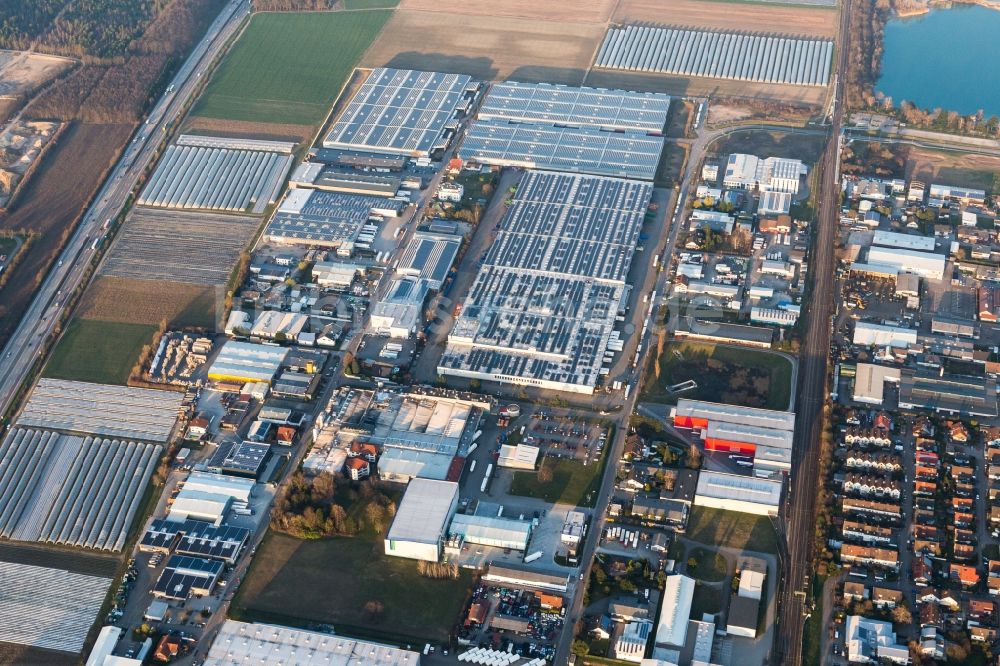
[487, 47]
[716, 527]
[932, 166]
[289, 68]
[584, 11]
[572, 482]
[150, 302]
[756, 17]
[51, 203]
[333, 580]
[732, 375]
[22, 72]
[807, 148]
[709, 565]
[102, 352]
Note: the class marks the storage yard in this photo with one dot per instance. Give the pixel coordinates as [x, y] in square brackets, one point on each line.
[48, 608]
[743, 57]
[400, 111]
[96, 409]
[207, 178]
[179, 247]
[542, 308]
[71, 490]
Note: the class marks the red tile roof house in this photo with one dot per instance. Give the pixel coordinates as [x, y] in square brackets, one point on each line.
[967, 576]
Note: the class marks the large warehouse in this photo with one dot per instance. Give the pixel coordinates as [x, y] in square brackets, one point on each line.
[400, 111]
[724, 55]
[71, 490]
[429, 257]
[869, 333]
[675, 610]
[246, 644]
[541, 310]
[565, 128]
[925, 264]
[734, 492]
[244, 362]
[491, 531]
[316, 218]
[698, 414]
[421, 522]
[772, 174]
[955, 395]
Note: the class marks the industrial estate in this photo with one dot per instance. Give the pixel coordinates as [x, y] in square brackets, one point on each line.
[506, 333]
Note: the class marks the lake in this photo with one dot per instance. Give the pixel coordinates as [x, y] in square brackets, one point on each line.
[948, 58]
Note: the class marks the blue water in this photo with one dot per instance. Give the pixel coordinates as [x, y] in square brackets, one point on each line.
[948, 59]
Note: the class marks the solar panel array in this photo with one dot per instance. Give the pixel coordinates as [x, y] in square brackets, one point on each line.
[195, 538]
[399, 111]
[328, 218]
[581, 107]
[724, 55]
[628, 154]
[429, 256]
[101, 409]
[543, 305]
[182, 575]
[71, 490]
[199, 178]
[48, 608]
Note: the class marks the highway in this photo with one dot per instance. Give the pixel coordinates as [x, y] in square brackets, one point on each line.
[38, 321]
[799, 510]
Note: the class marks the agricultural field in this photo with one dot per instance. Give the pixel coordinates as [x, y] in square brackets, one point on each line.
[50, 204]
[283, 69]
[298, 582]
[370, 4]
[967, 170]
[743, 531]
[124, 300]
[755, 17]
[487, 47]
[102, 352]
[577, 11]
[731, 375]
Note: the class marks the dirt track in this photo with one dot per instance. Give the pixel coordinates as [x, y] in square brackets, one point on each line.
[744, 17]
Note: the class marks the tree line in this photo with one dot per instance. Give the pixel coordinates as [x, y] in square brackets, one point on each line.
[293, 5]
[324, 506]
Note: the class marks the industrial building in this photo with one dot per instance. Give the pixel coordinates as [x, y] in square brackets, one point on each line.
[333, 220]
[239, 458]
[900, 260]
[734, 492]
[873, 641]
[698, 414]
[199, 505]
[183, 576]
[237, 488]
[208, 178]
[399, 314]
[429, 257]
[631, 645]
[421, 522]
[772, 174]
[336, 275]
[274, 324]
[541, 310]
[243, 362]
[723, 331]
[48, 608]
[506, 574]
[195, 538]
[254, 644]
[492, 531]
[400, 111]
[714, 54]
[519, 456]
[319, 176]
[107, 641]
[869, 382]
[774, 203]
[956, 395]
[904, 241]
[962, 195]
[675, 609]
[77, 491]
[868, 333]
[102, 410]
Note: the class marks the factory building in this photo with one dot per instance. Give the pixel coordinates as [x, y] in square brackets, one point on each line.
[675, 609]
[429, 257]
[903, 241]
[924, 264]
[421, 522]
[961, 195]
[868, 333]
[763, 434]
[243, 362]
[869, 382]
[698, 414]
[400, 313]
[492, 531]
[774, 203]
[505, 574]
[955, 395]
[734, 492]
[521, 456]
[773, 174]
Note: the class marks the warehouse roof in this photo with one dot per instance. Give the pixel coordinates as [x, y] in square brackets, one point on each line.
[404, 464]
[429, 256]
[739, 432]
[424, 511]
[869, 382]
[399, 111]
[955, 394]
[675, 609]
[255, 644]
[247, 362]
[239, 457]
[739, 488]
[318, 217]
[527, 577]
[491, 528]
[183, 575]
[235, 487]
[906, 241]
[752, 416]
[570, 105]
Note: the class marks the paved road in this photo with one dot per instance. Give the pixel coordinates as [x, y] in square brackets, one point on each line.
[800, 508]
[25, 345]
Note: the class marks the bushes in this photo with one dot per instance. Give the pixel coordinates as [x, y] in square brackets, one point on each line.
[314, 507]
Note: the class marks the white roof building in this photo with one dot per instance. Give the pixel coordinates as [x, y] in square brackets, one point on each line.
[869, 333]
[675, 609]
[421, 521]
[872, 641]
[698, 413]
[103, 647]
[255, 644]
[775, 174]
[200, 505]
[734, 492]
[492, 531]
[398, 315]
[869, 382]
[335, 274]
[774, 203]
[631, 646]
[247, 362]
[521, 456]
[273, 324]
[236, 487]
[924, 264]
[753, 576]
[904, 241]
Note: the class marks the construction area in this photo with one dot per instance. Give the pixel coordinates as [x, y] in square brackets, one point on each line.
[102, 410]
[172, 246]
[543, 305]
[212, 176]
[76, 491]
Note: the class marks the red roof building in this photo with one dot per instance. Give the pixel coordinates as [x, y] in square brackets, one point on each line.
[358, 468]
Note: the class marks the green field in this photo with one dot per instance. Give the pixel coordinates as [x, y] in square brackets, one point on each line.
[732, 375]
[289, 68]
[572, 482]
[370, 4]
[98, 351]
[709, 565]
[330, 581]
[717, 527]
